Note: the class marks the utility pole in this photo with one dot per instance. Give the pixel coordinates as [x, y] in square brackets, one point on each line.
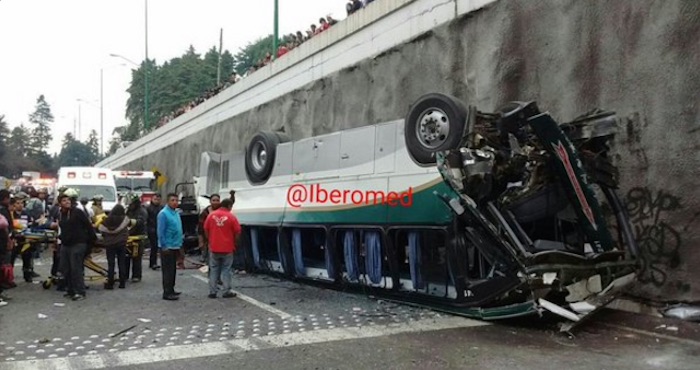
[102, 126]
[221, 46]
[274, 41]
[79, 122]
[145, 71]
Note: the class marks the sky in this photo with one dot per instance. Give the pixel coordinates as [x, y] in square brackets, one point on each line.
[58, 48]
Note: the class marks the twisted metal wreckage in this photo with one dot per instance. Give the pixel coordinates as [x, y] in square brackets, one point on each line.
[510, 212]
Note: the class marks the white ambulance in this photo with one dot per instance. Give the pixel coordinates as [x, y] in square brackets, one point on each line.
[89, 182]
[141, 183]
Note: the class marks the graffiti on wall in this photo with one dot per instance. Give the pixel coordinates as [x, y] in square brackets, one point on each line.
[659, 241]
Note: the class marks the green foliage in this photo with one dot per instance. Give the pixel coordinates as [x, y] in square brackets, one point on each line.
[178, 82]
[93, 143]
[19, 142]
[75, 153]
[252, 53]
[24, 148]
[17, 156]
[4, 150]
[41, 129]
[171, 85]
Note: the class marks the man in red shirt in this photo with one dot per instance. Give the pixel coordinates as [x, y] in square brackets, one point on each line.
[222, 229]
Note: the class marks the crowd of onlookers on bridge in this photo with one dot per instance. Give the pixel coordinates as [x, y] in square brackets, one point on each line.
[288, 42]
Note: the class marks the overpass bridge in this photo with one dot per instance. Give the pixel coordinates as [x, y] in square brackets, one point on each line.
[638, 58]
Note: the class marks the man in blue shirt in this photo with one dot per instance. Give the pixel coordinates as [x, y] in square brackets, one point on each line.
[170, 238]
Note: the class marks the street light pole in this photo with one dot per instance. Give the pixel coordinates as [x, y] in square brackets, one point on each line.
[146, 71]
[274, 41]
[102, 123]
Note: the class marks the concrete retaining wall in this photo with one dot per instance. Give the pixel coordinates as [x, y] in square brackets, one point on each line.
[638, 58]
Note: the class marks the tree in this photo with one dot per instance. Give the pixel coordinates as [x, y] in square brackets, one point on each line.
[252, 53]
[4, 150]
[173, 85]
[93, 143]
[69, 138]
[116, 141]
[75, 153]
[19, 142]
[41, 130]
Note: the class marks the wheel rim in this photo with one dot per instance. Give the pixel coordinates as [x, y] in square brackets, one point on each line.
[259, 156]
[433, 128]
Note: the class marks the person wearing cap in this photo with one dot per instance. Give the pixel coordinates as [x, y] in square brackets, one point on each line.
[137, 212]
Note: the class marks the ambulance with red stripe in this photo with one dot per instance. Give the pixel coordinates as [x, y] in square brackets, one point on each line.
[141, 183]
[90, 182]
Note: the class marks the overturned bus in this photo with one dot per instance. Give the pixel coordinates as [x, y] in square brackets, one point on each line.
[486, 215]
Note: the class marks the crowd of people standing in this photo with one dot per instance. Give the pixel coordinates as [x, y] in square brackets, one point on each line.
[78, 228]
[287, 43]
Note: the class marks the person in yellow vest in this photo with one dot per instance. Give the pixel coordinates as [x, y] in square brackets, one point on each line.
[97, 205]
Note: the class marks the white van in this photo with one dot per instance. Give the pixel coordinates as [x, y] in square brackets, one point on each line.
[90, 181]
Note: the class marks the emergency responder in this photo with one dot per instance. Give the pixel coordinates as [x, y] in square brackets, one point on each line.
[137, 213]
[88, 210]
[97, 209]
[36, 206]
[23, 221]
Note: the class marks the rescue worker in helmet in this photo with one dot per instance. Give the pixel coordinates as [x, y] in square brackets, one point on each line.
[139, 216]
[97, 209]
[88, 210]
[74, 195]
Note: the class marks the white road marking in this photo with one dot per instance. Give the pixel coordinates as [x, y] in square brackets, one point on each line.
[252, 301]
[208, 349]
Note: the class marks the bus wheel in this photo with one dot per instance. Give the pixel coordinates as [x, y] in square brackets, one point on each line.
[260, 156]
[434, 123]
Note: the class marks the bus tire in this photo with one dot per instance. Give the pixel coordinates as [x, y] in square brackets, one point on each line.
[434, 123]
[260, 157]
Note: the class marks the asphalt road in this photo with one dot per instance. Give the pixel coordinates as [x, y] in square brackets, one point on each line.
[280, 324]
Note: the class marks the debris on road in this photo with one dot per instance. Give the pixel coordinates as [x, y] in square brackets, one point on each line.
[145, 320]
[683, 312]
[122, 332]
[42, 316]
[59, 304]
